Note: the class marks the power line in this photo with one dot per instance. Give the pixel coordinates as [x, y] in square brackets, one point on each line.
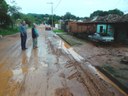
[57, 5]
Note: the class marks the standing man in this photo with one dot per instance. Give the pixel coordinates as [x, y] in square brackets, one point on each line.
[35, 35]
[23, 34]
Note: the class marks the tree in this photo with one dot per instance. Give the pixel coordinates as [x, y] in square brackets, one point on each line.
[5, 19]
[104, 13]
[14, 13]
[3, 7]
[68, 16]
[30, 19]
[116, 11]
[98, 13]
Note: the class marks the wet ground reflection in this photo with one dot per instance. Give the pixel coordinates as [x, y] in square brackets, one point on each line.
[24, 57]
[47, 71]
[69, 50]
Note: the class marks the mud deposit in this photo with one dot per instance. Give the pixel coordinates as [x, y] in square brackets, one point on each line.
[53, 69]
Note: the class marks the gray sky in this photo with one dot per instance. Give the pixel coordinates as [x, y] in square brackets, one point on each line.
[80, 8]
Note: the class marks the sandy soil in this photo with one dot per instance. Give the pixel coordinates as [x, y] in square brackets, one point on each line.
[53, 69]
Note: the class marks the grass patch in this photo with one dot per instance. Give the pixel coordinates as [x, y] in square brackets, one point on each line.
[58, 31]
[114, 75]
[70, 40]
[8, 31]
[109, 68]
[117, 73]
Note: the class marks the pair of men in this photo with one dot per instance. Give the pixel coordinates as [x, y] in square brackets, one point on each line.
[23, 34]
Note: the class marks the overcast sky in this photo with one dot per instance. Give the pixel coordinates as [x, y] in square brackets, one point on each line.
[80, 8]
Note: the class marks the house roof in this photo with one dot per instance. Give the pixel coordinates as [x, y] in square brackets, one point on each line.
[111, 18]
[124, 18]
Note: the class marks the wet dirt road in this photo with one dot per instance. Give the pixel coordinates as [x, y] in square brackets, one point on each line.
[53, 69]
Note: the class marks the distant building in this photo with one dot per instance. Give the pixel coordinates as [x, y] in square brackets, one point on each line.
[111, 25]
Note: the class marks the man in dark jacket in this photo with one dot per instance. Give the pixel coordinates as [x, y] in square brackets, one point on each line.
[34, 36]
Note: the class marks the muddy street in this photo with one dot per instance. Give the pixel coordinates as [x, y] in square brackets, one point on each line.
[53, 69]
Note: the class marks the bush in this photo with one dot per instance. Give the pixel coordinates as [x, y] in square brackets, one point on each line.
[58, 31]
[8, 31]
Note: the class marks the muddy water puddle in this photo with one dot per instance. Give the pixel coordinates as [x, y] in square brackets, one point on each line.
[76, 57]
[63, 92]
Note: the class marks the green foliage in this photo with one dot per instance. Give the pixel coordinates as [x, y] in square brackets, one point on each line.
[36, 18]
[9, 14]
[29, 20]
[109, 68]
[58, 31]
[3, 7]
[70, 40]
[116, 11]
[104, 13]
[14, 12]
[44, 18]
[8, 31]
[5, 19]
[69, 16]
[97, 13]
[13, 9]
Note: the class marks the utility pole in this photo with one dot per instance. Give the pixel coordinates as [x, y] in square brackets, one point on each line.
[51, 12]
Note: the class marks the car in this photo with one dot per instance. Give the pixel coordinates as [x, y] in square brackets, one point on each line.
[100, 38]
[47, 27]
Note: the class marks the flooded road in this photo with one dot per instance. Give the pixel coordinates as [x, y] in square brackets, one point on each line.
[53, 69]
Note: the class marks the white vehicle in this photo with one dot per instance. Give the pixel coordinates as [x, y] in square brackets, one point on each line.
[97, 37]
[47, 27]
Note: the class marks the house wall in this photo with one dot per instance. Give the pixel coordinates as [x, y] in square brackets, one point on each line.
[122, 31]
[98, 28]
[72, 27]
[58, 26]
[109, 28]
[75, 27]
[122, 35]
[81, 28]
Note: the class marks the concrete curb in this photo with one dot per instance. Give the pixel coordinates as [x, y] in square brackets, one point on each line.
[113, 79]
